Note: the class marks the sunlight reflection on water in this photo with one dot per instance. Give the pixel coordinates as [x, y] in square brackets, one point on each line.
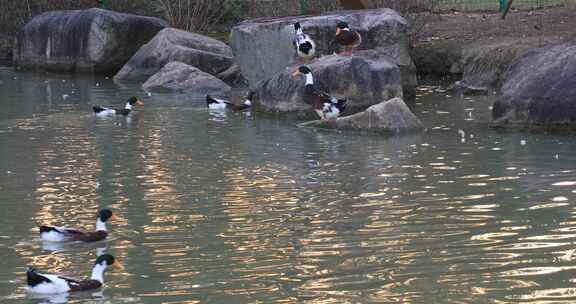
[221, 208]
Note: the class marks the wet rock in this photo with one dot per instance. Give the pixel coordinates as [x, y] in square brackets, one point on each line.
[180, 77]
[462, 88]
[391, 116]
[539, 90]
[170, 44]
[263, 47]
[364, 79]
[92, 40]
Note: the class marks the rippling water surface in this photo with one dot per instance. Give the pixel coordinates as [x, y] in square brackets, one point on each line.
[238, 208]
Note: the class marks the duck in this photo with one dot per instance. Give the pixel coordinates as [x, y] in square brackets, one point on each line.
[347, 38]
[40, 283]
[61, 234]
[221, 104]
[304, 45]
[104, 111]
[326, 106]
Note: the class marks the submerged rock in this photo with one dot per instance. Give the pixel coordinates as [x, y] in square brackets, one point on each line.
[364, 79]
[539, 90]
[92, 40]
[263, 47]
[178, 76]
[209, 55]
[460, 87]
[391, 116]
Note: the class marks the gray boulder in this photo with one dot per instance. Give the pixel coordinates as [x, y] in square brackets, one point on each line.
[233, 77]
[364, 79]
[92, 40]
[539, 90]
[263, 47]
[391, 116]
[207, 54]
[180, 77]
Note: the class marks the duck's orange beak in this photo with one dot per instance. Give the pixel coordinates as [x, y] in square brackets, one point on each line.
[113, 217]
[117, 265]
[296, 73]
[338, 30]
[139, 102]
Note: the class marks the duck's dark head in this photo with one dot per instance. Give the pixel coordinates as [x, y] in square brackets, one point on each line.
[135, 101]
[105, 214]
[108, 260]
[306, 47]
[302, 70]
[297, 26]
[341, 26]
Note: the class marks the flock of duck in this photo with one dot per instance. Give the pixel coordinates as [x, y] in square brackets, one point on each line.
[325, 105]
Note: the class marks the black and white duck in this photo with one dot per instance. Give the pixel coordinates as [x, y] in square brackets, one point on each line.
[325, 105]
[61, 234]
[220, 104]
[130, 103]
[40, 283]
[304, 45]
[347, 38]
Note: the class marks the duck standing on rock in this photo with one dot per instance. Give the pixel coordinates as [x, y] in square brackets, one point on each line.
[326, 106]
[53, 284]
[347, 38]
[304, 45]
[61, 234]
[104, 111]
[221, 104]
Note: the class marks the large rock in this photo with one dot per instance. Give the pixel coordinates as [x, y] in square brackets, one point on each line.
[391, 116]
[92, 40]
[233, 76]
[207, 54]
[364, 79]
[178, 76]
[263, 47]
[540, 89]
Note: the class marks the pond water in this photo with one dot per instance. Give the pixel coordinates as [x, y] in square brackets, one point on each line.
[236, 208]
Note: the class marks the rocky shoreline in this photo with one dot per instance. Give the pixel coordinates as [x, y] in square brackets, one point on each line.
[261, 57]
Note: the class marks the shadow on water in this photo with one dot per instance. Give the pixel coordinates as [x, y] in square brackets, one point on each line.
[236, 208]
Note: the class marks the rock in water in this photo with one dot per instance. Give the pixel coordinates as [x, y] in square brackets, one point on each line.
[178, 76]
[170, 44]
[364, 79]
[539, 90]
[92, 40]
[391, 116]
[263, 47]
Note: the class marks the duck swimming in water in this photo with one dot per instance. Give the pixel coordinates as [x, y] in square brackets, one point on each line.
[326, 106]
[221, 104]
[40, 283]
[104, 111]
[347, 38]
[304, 45]
[61, 234]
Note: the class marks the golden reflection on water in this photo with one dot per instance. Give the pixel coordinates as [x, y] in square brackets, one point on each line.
[310, 218]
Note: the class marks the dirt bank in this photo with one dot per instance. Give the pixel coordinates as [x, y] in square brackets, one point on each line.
[480, 46]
